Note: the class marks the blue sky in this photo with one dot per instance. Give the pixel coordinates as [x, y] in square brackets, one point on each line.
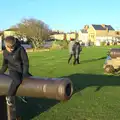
[64, 15]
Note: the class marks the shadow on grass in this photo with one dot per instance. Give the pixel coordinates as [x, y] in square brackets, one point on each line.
[92, 60]
[34, 107]
[80, 81]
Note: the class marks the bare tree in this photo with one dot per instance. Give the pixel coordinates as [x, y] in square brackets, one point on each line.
[34, 30]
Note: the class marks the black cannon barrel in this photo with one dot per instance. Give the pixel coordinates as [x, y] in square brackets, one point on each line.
[51, 88]
[115, 52]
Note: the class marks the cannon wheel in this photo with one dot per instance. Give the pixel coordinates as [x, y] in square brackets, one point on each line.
[109, 69]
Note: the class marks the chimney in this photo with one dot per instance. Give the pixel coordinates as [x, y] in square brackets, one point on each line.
[117, 33]
[86, 27]
[103, 25]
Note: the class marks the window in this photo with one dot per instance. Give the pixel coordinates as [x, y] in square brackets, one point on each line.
[92, 35]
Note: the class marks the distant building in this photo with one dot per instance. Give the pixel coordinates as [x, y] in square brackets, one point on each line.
[58, 36]
[8, 32]
[83, 36]
[72, 35]
[11, 31]
[99, 33]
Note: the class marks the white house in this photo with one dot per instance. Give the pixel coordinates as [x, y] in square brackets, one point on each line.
[83, 36]
[100, 39]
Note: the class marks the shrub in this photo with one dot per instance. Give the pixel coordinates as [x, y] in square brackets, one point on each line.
[59, 44]
[102, 43]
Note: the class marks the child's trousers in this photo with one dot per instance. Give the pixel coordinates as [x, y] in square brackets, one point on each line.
[16, 81]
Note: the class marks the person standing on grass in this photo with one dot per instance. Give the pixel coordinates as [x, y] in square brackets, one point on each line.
[74, 50]
[70, 47]
[77, 49]
[15, 59]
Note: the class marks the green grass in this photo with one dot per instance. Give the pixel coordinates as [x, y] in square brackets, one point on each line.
[96, 95]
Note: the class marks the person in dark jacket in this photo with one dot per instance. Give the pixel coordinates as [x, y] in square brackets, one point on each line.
[76, 50]
[15, 59]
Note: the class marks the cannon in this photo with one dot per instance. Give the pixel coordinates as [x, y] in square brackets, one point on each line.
[112, 64]
[37, 87]
[115, 53]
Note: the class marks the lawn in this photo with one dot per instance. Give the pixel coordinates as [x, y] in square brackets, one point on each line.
[96, 95]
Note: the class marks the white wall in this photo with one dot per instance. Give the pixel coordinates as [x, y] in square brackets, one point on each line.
[57, 36]
[83, 37]
[70, 35]
[104, 38]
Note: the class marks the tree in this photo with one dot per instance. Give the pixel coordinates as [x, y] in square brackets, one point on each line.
[34, 30]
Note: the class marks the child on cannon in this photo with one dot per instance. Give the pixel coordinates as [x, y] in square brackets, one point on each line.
[15, 59]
